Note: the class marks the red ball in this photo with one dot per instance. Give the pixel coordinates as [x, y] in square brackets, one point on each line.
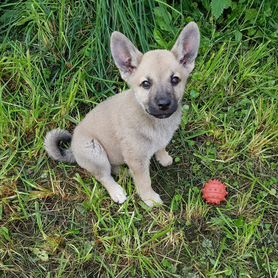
[214, 192]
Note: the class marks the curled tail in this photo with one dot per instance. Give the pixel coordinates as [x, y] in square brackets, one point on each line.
[53, 144]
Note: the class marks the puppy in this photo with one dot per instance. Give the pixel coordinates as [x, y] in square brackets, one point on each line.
[130, 127]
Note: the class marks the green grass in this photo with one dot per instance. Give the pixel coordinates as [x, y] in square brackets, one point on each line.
[57, 221]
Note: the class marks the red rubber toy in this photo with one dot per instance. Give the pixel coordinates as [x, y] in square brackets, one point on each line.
[214, 192]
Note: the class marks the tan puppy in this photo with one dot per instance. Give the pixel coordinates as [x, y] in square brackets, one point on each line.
[130, 127]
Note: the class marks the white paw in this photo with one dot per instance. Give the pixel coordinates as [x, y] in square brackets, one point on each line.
[118, 194]
[165, 160]
[152, 199]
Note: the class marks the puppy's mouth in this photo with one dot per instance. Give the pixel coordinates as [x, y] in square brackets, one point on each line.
[160, 115]
[157, 112]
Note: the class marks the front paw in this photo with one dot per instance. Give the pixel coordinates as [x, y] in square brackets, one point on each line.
[117, 194]
[165, 160]
[151, 199]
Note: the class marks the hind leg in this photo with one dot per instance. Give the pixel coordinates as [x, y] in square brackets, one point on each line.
[90, 155]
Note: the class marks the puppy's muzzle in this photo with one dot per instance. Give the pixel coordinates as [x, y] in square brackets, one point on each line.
[162, 107]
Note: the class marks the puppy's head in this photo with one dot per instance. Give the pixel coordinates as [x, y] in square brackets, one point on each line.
[157, 77]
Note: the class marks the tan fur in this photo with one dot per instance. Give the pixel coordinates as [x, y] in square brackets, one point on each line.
[120, 130]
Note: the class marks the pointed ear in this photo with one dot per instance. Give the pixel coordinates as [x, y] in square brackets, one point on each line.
[187, 46]
[126, 56]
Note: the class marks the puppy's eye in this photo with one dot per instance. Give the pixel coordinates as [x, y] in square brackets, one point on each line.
[175, 80]
[146, 84]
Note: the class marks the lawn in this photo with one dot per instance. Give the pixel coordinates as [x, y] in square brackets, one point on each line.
[57, 221]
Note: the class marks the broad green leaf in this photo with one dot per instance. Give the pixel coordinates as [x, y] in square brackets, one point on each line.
[163, 19]
[159, 39]
[238, 36]
[218, 6]
[4, 232]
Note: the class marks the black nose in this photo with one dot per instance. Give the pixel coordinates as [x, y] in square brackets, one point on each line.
[163, 103]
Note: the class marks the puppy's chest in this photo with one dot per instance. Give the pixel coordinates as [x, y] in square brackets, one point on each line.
[158, 136]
